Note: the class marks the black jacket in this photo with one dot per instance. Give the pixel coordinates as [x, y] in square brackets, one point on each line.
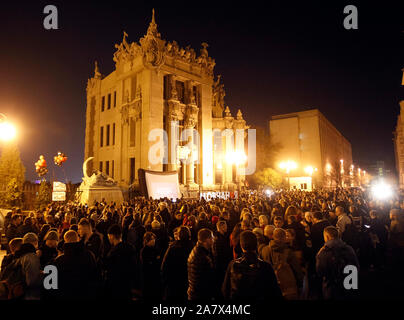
[12, 232]
[250, 278]
[120, 266]
[47, 255]
[165, 215]
[316, 235]
[151, 263]
[222, 252]
[200, 274]
[77, 273]
[96, 245]
[174, 270]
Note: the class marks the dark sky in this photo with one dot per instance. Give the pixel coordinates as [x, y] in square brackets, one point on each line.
[275, 58]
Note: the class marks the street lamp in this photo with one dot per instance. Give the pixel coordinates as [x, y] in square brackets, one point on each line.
[7, 130]
[288, 166]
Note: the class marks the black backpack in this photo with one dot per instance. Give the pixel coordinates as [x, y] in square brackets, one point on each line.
[12, 283]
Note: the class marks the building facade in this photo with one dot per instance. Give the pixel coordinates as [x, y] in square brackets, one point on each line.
[399, 145]
[159, 110]
[321, 154]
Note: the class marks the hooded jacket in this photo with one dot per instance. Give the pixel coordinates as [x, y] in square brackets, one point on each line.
[330, 263]
[31, 269]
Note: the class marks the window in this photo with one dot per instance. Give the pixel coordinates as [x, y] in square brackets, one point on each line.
[107, 167]
[113, 169]
[132, 139]
[109, 101]
[101, 166]
[102, 137]
[108, 129]
[195, 93]
[103, 103]
[132, 170]
[113, 134]
[114, 99]
[165, 87]
[180, 91]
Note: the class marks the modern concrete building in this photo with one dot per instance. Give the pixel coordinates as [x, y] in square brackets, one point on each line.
[322, 155]
[139, 115]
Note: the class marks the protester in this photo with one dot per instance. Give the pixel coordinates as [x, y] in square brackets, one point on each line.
[331, 260]
[248, 277]
[151, 261]
[201, 278]
[120, 266]
[174, 266]
[78, 276]
[178, 268]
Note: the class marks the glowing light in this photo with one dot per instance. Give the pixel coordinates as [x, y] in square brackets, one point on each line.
[288, 165]
[328, 167]
[236, 157]
[268, 192]
[309, 170]
[382, 191]
[7, 131]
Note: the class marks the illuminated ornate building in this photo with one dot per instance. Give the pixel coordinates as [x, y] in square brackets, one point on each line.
[321, 153]
[159, 85]
[399, 145]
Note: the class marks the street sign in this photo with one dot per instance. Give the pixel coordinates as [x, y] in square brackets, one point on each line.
[59, 196]
[59, 186]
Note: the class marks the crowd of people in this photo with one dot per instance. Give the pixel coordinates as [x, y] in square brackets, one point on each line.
[291, 245]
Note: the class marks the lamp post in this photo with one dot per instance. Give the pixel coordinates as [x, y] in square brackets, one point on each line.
[288, 166]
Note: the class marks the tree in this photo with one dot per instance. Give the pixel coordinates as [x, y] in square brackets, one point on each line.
[266, 151]
[44, 196]
[12, 174]
[13, 195]
[268, 177]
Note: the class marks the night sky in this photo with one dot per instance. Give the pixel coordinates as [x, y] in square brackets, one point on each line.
[273, 58]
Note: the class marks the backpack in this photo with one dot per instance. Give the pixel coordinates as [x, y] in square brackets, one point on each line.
[245, 277]
[284, 274]
[12, 283]
[341, 257]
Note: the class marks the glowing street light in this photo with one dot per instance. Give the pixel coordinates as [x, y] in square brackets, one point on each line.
[310, 170]
[7, 130]
[288, 165]
[382, 191]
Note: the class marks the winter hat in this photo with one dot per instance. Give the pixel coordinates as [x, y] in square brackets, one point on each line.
[52, 235]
